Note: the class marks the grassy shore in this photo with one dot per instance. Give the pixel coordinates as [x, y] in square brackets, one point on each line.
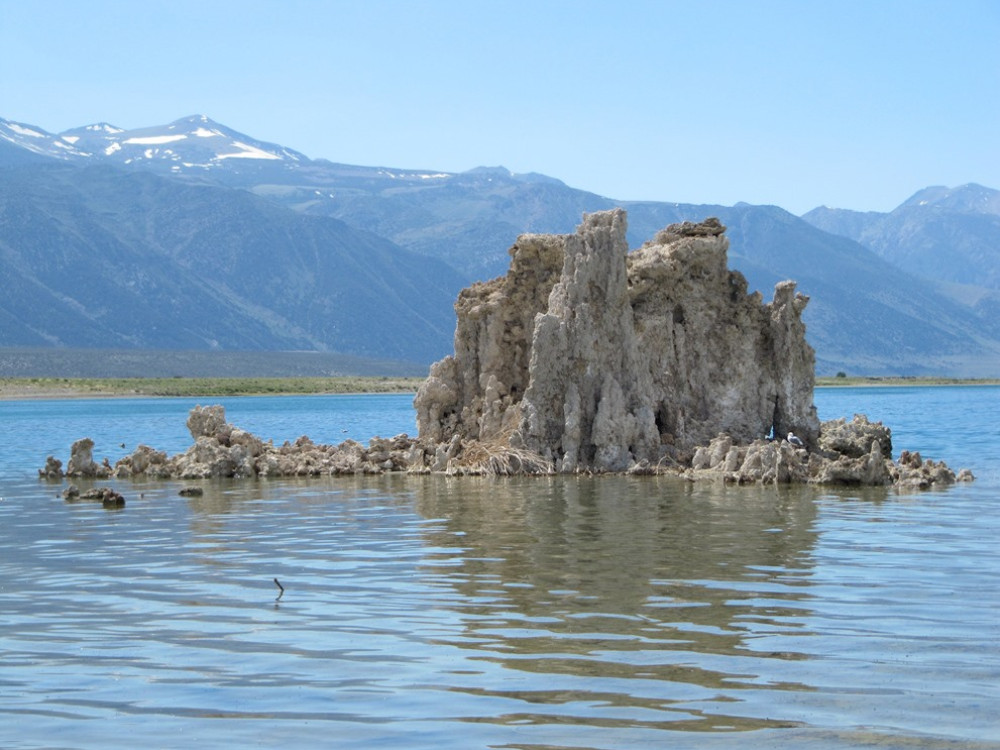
[11, 388]
[833, 382]
[17, 388]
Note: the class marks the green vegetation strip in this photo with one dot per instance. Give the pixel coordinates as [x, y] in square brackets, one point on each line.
[55, 387]
[208, 387]
[840, 380]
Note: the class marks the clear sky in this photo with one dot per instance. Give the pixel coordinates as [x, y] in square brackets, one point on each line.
[846, 103]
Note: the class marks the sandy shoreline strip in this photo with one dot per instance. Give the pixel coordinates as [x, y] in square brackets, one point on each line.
[26, 393]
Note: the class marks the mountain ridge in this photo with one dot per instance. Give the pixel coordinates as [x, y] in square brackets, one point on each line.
[948, 235]
[867, 315]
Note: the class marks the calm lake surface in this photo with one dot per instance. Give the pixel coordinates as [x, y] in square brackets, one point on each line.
[433, 612]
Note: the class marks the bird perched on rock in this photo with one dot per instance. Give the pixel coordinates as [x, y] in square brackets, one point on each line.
[794, 440]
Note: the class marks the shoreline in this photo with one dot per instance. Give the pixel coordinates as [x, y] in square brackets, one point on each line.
[41, 389]
[45, 389]
[896, 381]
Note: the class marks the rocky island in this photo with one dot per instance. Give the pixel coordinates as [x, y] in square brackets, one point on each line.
[586, 357]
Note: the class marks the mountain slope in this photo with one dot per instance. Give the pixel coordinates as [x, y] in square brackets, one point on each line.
[96, 257]
[946, 234]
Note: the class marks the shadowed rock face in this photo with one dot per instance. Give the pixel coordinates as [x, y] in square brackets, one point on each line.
[596, 358]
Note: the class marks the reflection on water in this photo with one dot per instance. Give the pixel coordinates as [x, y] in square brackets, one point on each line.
[563, 612]
[456, 613]
[629, 593]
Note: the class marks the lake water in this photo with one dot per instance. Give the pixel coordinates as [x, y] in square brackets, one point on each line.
[435, 612]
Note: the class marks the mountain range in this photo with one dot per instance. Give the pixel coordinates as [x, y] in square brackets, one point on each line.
[195, 236]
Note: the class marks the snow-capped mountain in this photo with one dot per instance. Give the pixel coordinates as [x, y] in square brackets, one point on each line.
[37, 141]
[867, 315]
[189, 145]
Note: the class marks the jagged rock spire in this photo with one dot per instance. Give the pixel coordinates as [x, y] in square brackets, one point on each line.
[597, 358]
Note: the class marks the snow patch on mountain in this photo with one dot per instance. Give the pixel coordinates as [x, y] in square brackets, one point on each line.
[413, 175]
[248, 152]
[103, 127]
[21, 130]
[196, 142]
[154, 140]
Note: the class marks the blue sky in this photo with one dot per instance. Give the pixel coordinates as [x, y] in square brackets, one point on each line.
[799, 104]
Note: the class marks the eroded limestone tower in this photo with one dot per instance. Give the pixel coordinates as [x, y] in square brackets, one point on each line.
[596, 358]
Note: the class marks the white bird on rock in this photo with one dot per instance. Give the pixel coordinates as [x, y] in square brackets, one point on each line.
[794, 440]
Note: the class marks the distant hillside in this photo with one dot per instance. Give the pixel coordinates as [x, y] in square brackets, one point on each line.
[945, 234]
[25, 362]
[948, 236]
[94, 257]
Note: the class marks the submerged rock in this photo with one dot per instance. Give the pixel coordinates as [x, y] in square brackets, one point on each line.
[108, 497]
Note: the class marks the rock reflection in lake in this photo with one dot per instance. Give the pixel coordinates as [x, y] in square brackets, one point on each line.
[604, 584]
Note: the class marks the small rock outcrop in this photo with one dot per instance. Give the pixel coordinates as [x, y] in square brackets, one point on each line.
[596, 359]
[852, 453]
[52, 469]
[81, 461]
[839, 461]
[854, 439]
[222, 450]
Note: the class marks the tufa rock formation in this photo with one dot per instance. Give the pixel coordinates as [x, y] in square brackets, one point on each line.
[597, 359]
[221, 450]
[858, 452]
[586, 357]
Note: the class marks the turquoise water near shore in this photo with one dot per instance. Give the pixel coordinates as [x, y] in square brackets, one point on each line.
[562, 612]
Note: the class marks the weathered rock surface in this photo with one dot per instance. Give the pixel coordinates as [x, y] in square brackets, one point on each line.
[850, 453]
[81, 461]
[596, 359]
[226, 455]
[223, 450]
[855, 438]
[586, 357]
[52, 469]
